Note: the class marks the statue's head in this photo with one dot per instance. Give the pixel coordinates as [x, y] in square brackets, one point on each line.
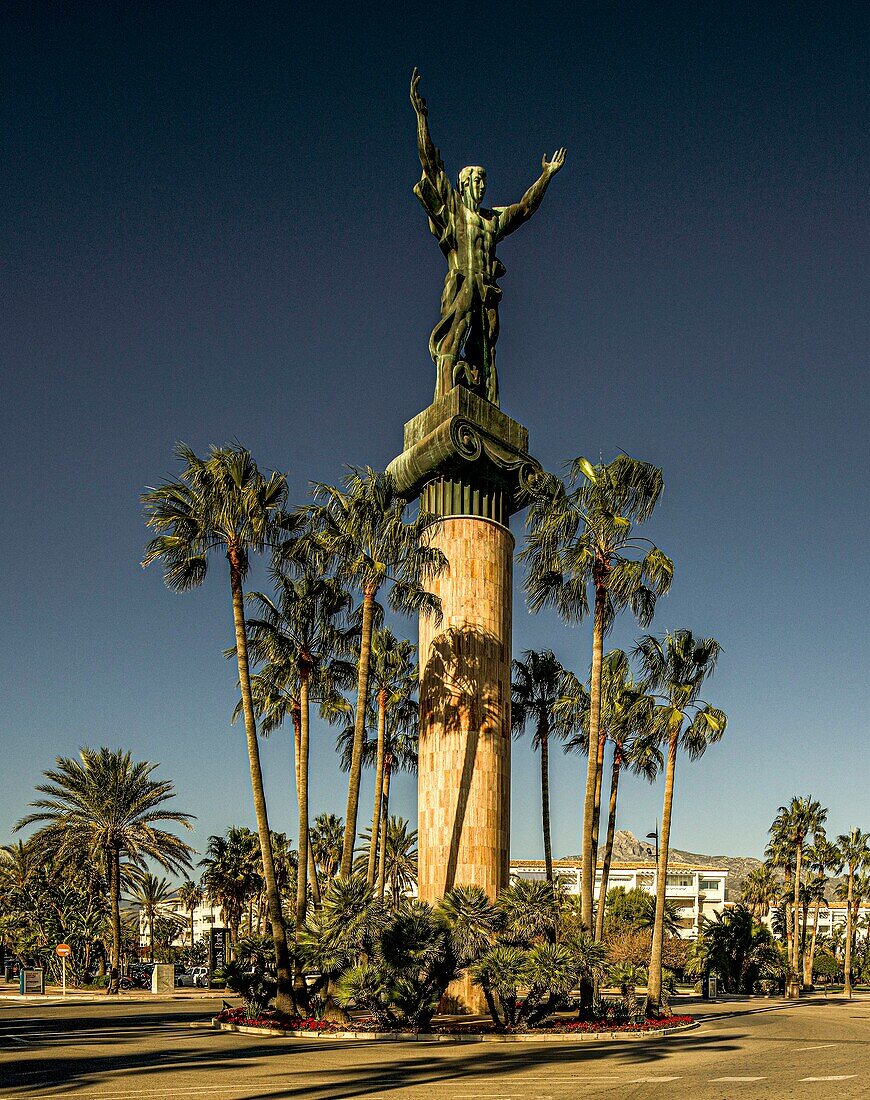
[472, 184]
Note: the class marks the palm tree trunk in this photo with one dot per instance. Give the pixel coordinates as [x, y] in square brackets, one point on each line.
[115, 901]
[312, 874]
[796, 913]
[191, 929]
[151, 936]
[608, 844]
[385, 811]
[810, 957]
[379, 782]
[587, 868]
[596, 813]
[283, 997]
[787, 874]
[545, 802]
[359, 728]
[302, 797]
[847, 963]
[654, 986]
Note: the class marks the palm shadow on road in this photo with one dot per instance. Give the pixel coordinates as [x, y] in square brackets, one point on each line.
[73, 1060]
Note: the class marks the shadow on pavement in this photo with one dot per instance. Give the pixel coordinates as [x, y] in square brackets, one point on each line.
[69, 1055]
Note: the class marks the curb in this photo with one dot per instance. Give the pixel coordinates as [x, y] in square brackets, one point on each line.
[408, 1037]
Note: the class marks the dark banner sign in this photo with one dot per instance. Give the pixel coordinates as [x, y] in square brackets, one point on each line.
[217, 956]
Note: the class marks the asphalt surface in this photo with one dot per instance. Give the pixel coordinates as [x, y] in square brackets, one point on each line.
[113, 1050]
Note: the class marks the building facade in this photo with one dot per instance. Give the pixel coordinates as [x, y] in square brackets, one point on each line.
[697, 892]
[205, 917]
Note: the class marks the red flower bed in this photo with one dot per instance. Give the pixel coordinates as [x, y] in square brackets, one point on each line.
[582, 1027]
[613, 1025]
[273, 1019]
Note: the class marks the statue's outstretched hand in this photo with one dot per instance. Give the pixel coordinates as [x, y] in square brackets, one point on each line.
[551, 167]
[418, 101]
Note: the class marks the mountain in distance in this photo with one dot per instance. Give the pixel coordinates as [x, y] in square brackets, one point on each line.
[628, 849]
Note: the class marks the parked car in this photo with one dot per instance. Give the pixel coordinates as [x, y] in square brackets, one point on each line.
[197, 976]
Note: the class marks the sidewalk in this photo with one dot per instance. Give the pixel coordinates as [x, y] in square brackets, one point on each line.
[54, 995]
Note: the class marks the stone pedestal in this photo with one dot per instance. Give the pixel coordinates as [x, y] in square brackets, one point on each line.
[469, 465]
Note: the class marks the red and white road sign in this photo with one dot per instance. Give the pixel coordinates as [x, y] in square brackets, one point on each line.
[62, 950]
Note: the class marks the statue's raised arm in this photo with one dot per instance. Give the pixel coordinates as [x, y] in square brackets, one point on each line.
[512, 217]
[430, 158]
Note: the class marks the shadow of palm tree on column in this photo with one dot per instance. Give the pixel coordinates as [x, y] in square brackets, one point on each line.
[461, 693]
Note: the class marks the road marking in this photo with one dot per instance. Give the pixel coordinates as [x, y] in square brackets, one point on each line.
[821, 1046]
[738, 1078]
[200, 1091]
[651, 1080]
[838, 1077]
[15, 1039]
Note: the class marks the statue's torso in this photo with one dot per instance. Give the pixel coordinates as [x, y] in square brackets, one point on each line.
[475, 234]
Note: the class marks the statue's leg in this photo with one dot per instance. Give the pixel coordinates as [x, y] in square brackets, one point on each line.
[445, 343]
[491, 338]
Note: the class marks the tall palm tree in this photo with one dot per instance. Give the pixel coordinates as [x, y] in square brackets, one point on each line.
[581, 540]
[327, 835]
[364, 529]
[761, 889]
[400, 846]
[156, 898]
[822, 858]
[302, 632]
[854, 849]
[190, 896]
[108, 807]
[400, 733]
[400, 754]
[779, 854]
[799, 819]
[538, 682]
[394, 677]
[674, 669]
[223, 503]
[276, 692]
[232, 874]
[627, 719]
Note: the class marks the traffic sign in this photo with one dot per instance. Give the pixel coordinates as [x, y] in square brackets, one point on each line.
[62, 950]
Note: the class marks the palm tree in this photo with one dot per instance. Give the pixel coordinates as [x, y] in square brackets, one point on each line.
[674, 669]
[538, 683]
[155, 897]
[190, 896]
[232, 876]
[627, 719]
[854, 849]
[394, 678]
[779, 853]
[401, 858]
[581, 540]
[326, 840]
[761, 889]
[800, 818]
[301, 633]
[224, 503]
[108, 808]
[364, 530]
[822, 858]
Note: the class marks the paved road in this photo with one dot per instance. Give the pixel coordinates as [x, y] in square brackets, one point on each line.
[750, 1050]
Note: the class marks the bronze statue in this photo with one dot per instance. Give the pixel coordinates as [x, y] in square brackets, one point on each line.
[462, 344]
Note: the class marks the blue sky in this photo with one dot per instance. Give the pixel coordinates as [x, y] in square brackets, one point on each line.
[209, 233]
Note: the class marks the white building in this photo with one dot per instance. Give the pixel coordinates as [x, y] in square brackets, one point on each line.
[832, 917]
[205, 917]
[696, 891]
